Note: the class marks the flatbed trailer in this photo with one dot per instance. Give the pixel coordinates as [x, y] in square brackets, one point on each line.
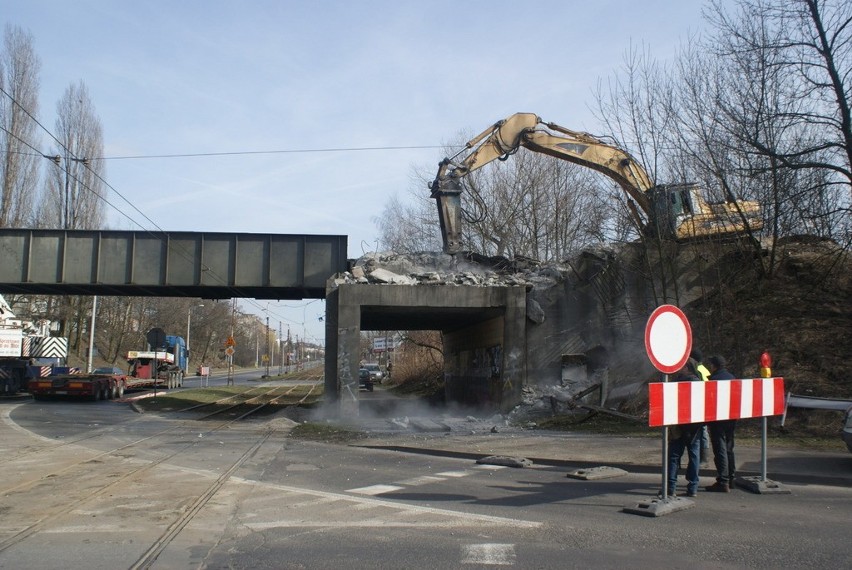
[168, 373]
[92, 386]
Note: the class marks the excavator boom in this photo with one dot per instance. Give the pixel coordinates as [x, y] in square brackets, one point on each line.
[505, 137]
[645, 200]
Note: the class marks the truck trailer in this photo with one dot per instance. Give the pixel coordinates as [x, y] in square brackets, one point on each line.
[161, 366]
[100, 384]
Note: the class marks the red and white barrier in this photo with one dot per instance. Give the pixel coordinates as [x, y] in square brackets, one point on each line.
[673, 403]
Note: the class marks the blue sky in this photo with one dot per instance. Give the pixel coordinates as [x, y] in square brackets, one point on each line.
[195, 77]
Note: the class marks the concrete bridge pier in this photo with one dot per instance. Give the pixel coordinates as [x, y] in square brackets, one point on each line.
[484, 331]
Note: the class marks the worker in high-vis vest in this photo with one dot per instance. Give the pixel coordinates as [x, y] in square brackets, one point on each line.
[703, 374]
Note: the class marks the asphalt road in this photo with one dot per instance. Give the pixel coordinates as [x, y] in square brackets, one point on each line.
[97, 485]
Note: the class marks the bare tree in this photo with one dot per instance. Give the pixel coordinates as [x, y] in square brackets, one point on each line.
[634, 107]
[19, 81]
[535, 206]
[787, 104]
[530, 205]
[74, 198]
[409, 227]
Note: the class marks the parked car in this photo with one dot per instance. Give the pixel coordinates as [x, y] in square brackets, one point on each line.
[365, 380]
[375, 372]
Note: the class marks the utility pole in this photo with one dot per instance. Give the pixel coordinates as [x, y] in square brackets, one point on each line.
[267, 344]
[281, 358]
[188, 323]
[231, 358]
[289, 347]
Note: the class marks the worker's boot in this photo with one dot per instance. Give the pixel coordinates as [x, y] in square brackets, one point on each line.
[718, 487]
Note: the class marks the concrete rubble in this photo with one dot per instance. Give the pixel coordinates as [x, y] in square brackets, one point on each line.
[440, 269]
[555, 326]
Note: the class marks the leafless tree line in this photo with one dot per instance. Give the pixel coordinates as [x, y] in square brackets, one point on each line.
[56, 180]
[71, 194]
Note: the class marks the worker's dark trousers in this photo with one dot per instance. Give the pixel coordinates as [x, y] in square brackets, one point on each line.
[722, 440]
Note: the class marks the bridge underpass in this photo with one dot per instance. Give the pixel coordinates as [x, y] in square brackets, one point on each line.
[483, 331]
[483, 327]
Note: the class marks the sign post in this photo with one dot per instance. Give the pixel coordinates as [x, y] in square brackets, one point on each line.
[156, 337]
[229, 352]
[668, 342]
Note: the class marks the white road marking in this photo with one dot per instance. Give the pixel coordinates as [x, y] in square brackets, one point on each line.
[422, 480]
[462, 473]
[491, 554]
[88, 529]
[312, 502]
[6, 417]
[489, 467]
[389, 504]
[374, 489]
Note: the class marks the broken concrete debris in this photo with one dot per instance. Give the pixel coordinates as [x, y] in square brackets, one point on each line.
[505, 461]
[435, 269]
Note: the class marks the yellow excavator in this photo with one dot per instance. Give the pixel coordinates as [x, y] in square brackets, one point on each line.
[674, 211]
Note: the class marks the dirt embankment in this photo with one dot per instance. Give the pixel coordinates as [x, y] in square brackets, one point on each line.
[802, 315]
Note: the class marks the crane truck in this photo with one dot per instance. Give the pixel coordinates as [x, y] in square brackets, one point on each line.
[675, 211]
[26, 350]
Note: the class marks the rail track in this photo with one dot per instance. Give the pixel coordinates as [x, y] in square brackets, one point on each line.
[64, 499]
[58, 501]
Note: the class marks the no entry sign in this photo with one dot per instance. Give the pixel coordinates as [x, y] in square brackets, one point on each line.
[668, 339]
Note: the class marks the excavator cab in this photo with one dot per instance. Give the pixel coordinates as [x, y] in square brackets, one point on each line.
[673, 204]
[682, 213]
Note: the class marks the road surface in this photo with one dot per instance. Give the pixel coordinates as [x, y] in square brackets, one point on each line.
[97, 485]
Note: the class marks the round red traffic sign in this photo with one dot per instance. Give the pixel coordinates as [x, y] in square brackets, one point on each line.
[668, 339]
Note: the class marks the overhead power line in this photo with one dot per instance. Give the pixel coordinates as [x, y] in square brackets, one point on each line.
[83, 161]
[283, 151]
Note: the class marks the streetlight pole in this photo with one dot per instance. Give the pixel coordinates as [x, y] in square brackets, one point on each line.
[92, 334]
[188, 321]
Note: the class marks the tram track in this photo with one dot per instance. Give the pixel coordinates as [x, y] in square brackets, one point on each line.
[72, 487]
[241, 407]
[116, 480]
[173, 530]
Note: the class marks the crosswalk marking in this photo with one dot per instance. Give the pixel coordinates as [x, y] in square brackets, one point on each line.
[422, 480]
[447, 517]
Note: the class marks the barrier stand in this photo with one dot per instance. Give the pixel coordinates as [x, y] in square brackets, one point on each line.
[664, 504]
[762, 485]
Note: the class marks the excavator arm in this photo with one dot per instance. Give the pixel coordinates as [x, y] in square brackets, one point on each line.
[505, 137]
